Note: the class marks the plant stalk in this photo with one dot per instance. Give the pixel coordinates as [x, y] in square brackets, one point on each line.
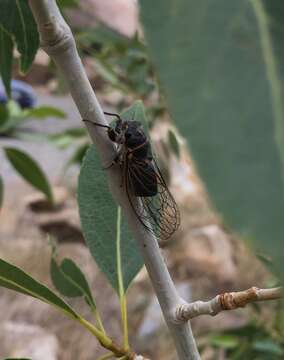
[57, 40]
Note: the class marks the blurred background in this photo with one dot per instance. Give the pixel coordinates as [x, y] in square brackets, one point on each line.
[204, 257]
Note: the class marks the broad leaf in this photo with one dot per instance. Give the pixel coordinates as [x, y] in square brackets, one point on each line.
[221, 64]
[29, 170]
[70, 281]
[98, 213]
[6, 59]
[11, 277]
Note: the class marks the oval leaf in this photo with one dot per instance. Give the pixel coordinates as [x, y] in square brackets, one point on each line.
[29, 170]
[98, 214]
[220, 64]
[61, 282]
[11, 277]
[70, 281]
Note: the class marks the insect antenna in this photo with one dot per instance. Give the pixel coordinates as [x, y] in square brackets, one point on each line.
[112, 114]
[95, 123]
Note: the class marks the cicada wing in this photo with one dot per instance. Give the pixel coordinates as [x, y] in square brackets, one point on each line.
[158, 211]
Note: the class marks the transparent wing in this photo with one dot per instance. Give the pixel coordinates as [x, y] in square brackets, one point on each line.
[158, 212]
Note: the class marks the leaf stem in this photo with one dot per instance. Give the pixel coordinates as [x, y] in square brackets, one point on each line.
[102, 337]
[122, 297]
[99, 320]
[106, 341]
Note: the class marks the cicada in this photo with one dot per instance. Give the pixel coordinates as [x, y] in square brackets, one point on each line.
[142, 178]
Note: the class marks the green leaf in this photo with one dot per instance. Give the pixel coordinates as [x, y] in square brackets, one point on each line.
[6, 59]
[16, 18]
[67, 137]
[225, 341]
[67, 3]
[98, 213]
[221, 67]
[268, 346]
[29, 170]
[1, 191]
[42, 112]
[11, 277]
[78, 155]
[14, 109]
[61, 282]
[4, 116]
[15, 116]
[12, 115]
[70, 281]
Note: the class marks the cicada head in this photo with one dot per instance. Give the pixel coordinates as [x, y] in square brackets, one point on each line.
[134, 134]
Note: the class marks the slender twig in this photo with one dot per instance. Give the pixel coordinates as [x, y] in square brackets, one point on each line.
[226, 301]
[58, 41]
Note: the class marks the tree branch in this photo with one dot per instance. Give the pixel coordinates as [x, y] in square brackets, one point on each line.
[58, 42]
[226, 301]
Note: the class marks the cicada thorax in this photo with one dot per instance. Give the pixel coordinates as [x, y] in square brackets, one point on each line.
[139, 157]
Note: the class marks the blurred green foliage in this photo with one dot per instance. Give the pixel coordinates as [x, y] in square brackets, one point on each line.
[13, 124]
[250, 342]
[13, 119]
[122, 62]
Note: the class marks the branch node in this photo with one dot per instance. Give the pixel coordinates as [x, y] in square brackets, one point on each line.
[233, 300]
[57, 38]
